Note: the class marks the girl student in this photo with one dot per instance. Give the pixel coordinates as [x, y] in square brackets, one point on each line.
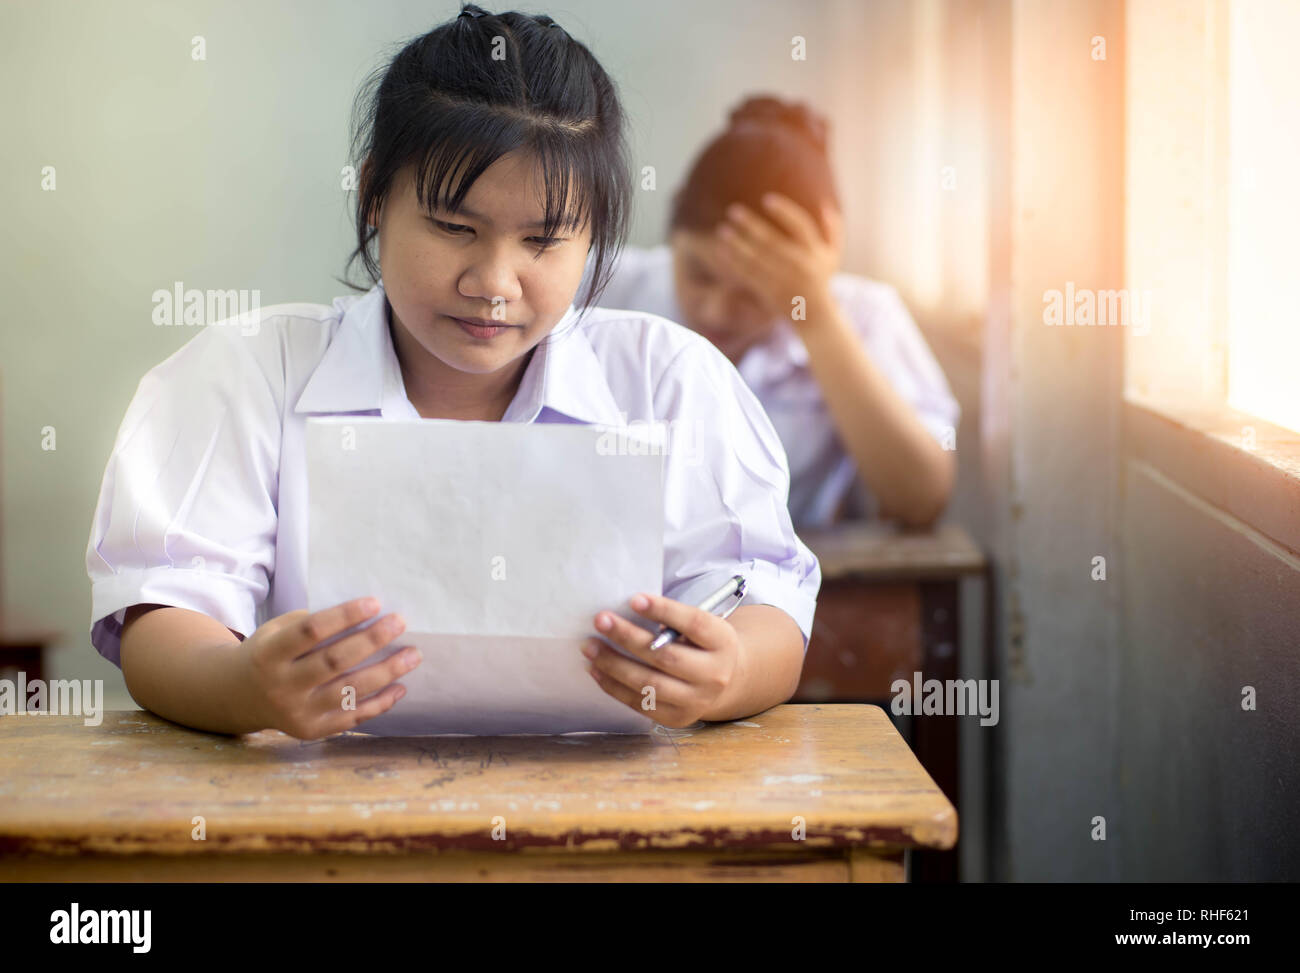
[485, 183]
[861, 406]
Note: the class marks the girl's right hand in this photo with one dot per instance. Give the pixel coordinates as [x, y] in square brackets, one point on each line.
[300, 688]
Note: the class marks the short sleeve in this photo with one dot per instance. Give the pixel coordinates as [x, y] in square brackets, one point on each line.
[186, 514]
[726, 485]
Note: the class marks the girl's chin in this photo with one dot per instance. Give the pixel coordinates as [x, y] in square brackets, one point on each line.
[477, 360]
[480, 364]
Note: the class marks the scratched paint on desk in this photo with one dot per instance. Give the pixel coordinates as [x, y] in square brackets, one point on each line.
[613, 792]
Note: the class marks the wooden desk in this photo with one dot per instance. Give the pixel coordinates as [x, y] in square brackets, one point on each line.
[890, 606]
[116, 802]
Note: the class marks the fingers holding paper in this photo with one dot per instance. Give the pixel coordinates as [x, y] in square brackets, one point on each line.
[300, 669]
[677, 684]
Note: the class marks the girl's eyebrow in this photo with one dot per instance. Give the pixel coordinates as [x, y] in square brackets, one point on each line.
[463, 211]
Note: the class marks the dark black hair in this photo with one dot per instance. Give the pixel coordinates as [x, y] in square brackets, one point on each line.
[482, 85]
[768, 146]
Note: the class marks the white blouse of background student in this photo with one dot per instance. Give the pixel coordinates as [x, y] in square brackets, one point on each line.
[204, 500]
[822, 473]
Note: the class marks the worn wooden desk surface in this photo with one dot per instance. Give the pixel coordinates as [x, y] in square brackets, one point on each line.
[878, 551]
[118, 802]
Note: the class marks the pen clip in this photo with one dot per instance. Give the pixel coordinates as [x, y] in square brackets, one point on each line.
[739, 595]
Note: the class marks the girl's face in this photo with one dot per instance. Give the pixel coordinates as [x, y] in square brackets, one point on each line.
[721, 308]
[487, 263]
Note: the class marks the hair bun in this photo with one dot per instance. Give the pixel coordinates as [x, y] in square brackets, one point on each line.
[766, 110]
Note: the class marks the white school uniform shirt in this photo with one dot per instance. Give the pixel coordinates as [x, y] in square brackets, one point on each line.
[822, 473]
[204, 499]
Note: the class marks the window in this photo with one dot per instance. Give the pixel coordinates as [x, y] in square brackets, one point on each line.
[1213, 206]
[1264, 210]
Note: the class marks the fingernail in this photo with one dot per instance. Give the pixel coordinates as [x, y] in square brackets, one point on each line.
[370, 605]
[640, 602]
[736, 211]
[725, 230]
[589, 650]
[603, 623]
[412, 658]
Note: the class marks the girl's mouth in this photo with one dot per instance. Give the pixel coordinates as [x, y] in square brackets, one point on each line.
[475, 330]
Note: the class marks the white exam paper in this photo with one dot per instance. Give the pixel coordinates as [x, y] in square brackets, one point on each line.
[497, 542]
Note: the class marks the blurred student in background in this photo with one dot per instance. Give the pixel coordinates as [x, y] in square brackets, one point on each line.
[752, 263]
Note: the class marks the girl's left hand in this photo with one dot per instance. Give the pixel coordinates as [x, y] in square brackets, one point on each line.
[774, 266]
[687, 678]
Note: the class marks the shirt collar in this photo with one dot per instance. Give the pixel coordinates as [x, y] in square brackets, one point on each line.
[359, 372]
[352, 373]
[781, 353]
[565, 377]
[790, 344]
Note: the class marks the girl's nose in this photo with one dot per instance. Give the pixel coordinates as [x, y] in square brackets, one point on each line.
[491, 276]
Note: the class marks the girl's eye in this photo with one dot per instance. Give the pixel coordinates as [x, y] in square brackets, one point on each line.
[545, 242]
[452, 227]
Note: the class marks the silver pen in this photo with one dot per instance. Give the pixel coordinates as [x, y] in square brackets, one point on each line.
[735, 588]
